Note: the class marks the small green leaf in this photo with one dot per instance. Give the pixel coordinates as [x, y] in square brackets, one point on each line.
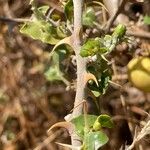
[119, 31]
[54, 72]
[89, 17]
[68, 9]
[90, 47]
[43, 9]
[105, 121]
[147, 20]
[95, 140]
[79, 123]
[37, 13]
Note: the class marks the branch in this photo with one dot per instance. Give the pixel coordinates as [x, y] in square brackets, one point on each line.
[81, 65]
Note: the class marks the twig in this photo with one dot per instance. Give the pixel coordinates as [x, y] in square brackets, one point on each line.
[140, 34]
[52, 5]
[113, 18]
[15, 20]
[145, 131]
[48, 140]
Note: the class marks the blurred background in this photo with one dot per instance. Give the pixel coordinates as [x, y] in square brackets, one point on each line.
[30, 104]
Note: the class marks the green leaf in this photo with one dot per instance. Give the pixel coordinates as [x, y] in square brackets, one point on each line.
[95, 140]
[90, 47]
[119, 31]
[105, 121]
[68, 9]
[101, 46]
[147, 20]
[54, 72]
[89, 17]
[38, 13]
[40, 30]
[102, 71]
[43, 9]
[79, 123]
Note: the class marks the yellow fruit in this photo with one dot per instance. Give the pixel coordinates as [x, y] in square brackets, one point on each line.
[139, 73]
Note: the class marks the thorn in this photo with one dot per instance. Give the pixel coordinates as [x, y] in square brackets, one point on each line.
[90, 76]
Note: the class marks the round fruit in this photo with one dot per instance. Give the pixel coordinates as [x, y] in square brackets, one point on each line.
[139, 73]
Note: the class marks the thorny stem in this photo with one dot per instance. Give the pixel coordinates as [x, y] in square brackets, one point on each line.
[81, 65]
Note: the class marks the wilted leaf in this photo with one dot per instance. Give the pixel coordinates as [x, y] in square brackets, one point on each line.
[94, 140]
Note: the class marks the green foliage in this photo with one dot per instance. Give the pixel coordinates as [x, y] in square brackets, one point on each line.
[94, 140]
[91, 47]
[88, 127]
[119, 31]
[41, 29]
[68, 9]
[103, 121]
[147, 20]
[54, 72]
[92, 136]
[103, 45]
[102, 72]
[79, 123]
[89, 17]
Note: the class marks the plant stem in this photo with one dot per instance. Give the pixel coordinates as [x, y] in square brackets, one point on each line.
[81, 65]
